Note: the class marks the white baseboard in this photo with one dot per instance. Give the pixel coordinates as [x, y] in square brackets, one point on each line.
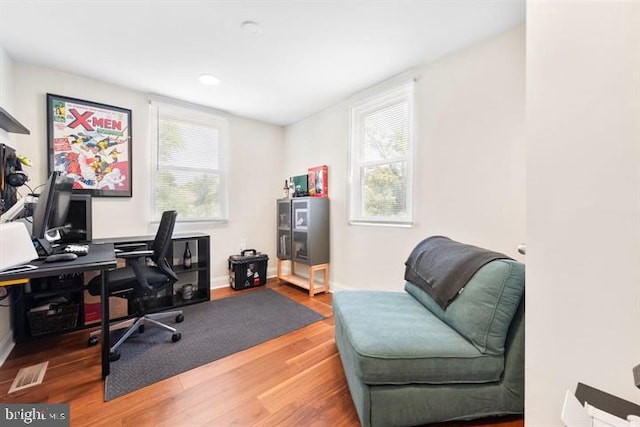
[6, 345]
[219, 282]
[336, 287]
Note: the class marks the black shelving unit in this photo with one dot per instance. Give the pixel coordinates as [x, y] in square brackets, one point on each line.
[198, 275]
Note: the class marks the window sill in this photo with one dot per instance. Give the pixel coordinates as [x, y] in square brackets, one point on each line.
[214, 223]
[398, 224]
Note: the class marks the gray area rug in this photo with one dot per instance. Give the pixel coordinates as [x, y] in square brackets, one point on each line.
[210, 331]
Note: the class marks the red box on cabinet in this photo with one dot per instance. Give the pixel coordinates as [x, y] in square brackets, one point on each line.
[319, 181]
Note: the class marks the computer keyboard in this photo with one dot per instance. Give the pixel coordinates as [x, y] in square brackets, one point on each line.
[79, 250]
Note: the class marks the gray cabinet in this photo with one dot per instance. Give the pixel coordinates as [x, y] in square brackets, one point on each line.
[303, 237]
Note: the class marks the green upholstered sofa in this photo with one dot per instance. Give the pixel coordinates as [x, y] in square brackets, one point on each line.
[409, 362]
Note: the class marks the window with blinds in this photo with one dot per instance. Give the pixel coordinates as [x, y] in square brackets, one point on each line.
[382, 158]
[189, 173]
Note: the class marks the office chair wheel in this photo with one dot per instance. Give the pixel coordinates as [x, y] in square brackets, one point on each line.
[141, 329]
[176, 337]
[92, 341]
[179, 318]
[114, 355]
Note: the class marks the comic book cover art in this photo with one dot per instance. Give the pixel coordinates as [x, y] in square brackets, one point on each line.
[91, 143]
[319, 181]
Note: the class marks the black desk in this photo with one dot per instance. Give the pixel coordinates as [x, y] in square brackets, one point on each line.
[100, 257]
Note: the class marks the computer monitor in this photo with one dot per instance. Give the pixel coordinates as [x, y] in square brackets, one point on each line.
[80, 220]
[50, 213]
[61, 201]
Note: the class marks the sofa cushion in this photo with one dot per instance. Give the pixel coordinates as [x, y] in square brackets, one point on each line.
[483, 311]
[393, 339]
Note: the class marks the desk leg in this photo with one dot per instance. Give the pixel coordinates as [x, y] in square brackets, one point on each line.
[106, 343]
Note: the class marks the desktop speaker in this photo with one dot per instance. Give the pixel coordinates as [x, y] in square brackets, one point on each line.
[80, 219]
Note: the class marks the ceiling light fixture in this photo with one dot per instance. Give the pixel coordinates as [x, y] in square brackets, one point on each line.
[209, 80]
[251, 27]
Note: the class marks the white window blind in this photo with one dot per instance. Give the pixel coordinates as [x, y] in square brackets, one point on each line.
[189, 173]
[382, 158]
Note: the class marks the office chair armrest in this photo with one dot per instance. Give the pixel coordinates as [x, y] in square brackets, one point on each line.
[134, 254]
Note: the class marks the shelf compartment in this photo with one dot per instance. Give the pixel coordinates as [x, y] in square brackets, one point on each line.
[58, 319]
[307, 283]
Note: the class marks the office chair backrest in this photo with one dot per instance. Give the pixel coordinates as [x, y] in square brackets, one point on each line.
[162, 241]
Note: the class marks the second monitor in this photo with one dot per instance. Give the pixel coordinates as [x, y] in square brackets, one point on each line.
[79, 218]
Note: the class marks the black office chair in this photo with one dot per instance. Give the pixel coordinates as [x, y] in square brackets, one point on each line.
[138, 280]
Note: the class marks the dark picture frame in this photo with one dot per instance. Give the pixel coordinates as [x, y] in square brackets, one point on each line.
[90, 142]
[302, 219]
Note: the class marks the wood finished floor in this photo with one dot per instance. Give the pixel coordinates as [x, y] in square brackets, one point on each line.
[294, 380]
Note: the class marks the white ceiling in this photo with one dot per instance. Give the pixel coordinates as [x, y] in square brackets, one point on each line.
[308, 56]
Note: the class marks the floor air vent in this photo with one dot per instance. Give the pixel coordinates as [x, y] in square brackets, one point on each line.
[29, 376]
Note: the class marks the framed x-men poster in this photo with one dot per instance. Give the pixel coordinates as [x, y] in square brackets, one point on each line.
[91, 143]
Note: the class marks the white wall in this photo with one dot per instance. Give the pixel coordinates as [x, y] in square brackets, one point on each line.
[6, 102]
[255, 165]
[583, 202]
[470, 176]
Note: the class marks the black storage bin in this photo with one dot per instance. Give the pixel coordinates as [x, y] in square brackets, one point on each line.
[57, 319]
[246, 271]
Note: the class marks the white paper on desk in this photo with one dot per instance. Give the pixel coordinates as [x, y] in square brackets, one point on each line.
[16, 246]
